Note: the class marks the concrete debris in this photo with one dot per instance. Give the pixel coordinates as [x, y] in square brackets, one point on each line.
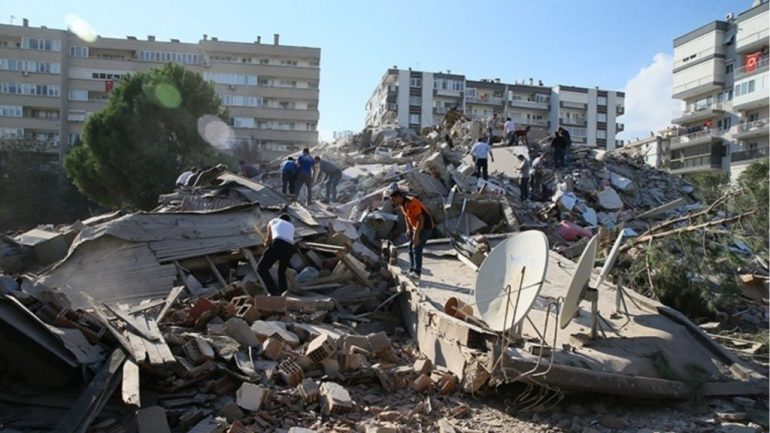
[174, 299]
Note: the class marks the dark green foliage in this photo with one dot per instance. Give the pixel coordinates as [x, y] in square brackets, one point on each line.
[710, 186]
[34, 190]
[135, 148]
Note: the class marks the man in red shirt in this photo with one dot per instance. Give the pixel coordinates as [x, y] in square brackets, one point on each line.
[419, 227]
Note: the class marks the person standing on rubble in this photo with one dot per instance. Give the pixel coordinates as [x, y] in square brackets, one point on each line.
[510, 131]
[522, 136]
[305, 174]
[491, 126]
[536, 176]
[288, 175]
[419, 228]
[333, 175]
[280, 242]
[480, 152]
[523, 176]
[567, 142]
[559, 146]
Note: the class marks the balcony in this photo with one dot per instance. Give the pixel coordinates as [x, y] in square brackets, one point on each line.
[440, 110]
[619, 127]
[749, 154]
[620, 110]
[699, 114]
[743, 71]
[753, 92]
[573, 122]
[578, 105]
[753, 129]
[695, 138]
[495, 100]
[752, 41]
[696, 164]
[713, 80]
[532, 105]
[531, 122]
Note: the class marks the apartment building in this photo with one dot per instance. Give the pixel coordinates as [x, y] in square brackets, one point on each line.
[419, 99]
[51, 81]
[721, 75]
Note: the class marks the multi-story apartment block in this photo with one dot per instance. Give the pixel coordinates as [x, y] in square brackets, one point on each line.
[419, 99]
[51, 81]
[721, 75]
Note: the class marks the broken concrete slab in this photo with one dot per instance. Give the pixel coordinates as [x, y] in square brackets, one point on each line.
[335, 398]
[251, 397]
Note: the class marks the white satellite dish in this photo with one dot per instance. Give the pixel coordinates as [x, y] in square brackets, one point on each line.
[579, 282]
[510, 278]
[579, 288]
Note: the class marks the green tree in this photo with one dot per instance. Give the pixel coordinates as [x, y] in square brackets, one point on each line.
[755, 186]
[135, 148]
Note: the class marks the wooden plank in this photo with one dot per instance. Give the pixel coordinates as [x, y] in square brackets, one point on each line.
[134, 323]
[163, 348]
[122, 340]
[153, 351]
[214, 269]
[355, 266]
[252, 260]
[173, 295]
[130, 386]
[146, 306]
[92, 399]
[138, 350]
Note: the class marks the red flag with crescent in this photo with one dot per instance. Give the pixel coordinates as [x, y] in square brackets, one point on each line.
[752, 60]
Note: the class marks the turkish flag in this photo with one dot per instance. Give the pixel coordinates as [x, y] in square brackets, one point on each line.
[108, 85]
[752, 60]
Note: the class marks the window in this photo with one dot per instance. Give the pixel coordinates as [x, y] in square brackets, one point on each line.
[601, 134]
[106, 76]
[753, 117]
[287, 62]
[78, 95]
[471, 93]
[243, 122]
[286, 126]
[414, 119]
[168, 56]
[310, 126]
[233, 79]
[415, 82]
[11, 132]
[11, 110]
[242, 101]
[74, 138]
[726, 123]
[286, 104]
[40, 44]
[29, 89]
[744, 88]
[729, 68]
[29, 66]
[76, 115]
[601, 100]
[264, 61]
[458, 85]
[601, 117]
[76, 51]
[415, 100]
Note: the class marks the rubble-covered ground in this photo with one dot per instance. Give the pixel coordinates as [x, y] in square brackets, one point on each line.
[157, 322]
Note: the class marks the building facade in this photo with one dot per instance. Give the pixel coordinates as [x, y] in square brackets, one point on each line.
[51, 81]
[721, 76]
[418, 99]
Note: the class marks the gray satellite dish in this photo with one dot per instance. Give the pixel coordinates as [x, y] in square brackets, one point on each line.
[510, 278]
[579, 288]
[579, 282]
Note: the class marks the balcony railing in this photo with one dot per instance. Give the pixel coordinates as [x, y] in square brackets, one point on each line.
[698, 163]
[528, 104]
[573, 122]
[578, 105]
[619, 110]
[748, 154]
[694, 138]
[495, 100]
[742, 72]
[530, 122]
[752, 129]
[694, 84]
[760, 36]
[619, 127]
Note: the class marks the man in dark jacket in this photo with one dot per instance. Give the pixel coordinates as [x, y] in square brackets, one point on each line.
[559, 145]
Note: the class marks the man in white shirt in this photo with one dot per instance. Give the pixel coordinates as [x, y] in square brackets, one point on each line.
[480, 152]
[510, 129]
[280, 241]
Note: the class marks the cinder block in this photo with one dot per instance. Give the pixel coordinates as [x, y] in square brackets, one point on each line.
[251, 397]
[320, 348]
[270, 304]
[335, 398]
[201, 306]
[272, 347]
[291, 373]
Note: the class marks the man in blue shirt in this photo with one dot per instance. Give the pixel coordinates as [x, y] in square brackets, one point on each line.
[306, 174]
[288, 175]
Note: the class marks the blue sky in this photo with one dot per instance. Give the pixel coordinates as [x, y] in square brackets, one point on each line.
[613, 44]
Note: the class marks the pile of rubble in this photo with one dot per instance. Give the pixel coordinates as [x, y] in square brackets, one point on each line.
[168, 305]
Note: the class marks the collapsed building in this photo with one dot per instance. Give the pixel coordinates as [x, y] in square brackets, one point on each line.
[167, 305]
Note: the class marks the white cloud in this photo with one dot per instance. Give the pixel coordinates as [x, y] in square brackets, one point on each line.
[649, 106]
